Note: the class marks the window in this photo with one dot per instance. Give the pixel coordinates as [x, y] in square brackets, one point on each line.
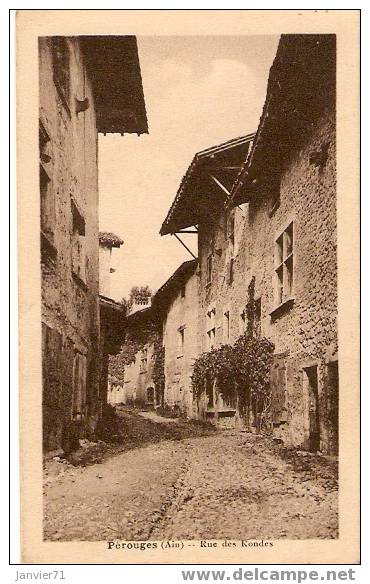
[226, 327]
[61, 72]
[284, 247]
[79, 385]
[181, 340]
[79, 260]
[211, 328]
[209, 269]
[311, 386]
[332, 405]
[144, 360]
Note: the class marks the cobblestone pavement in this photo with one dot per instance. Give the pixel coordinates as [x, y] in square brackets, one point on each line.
[228, 485]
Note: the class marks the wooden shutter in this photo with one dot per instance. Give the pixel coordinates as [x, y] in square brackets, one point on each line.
[278, 390]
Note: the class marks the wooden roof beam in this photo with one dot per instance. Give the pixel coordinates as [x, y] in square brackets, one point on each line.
[220, 185]
[185, 246]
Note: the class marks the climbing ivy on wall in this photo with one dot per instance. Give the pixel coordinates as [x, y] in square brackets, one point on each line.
[240, 371]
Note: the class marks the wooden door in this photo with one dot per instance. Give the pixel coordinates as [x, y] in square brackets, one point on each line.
[313, 408]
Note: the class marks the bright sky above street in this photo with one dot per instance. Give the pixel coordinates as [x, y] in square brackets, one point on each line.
[199, 92]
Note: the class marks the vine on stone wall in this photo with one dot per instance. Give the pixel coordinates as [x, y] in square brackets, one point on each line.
[240, 371]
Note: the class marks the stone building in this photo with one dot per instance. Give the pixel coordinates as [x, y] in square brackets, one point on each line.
[86, 85]
[222, 281]
[267, 240]
[142, 336]
[170, 321]
[176, 306]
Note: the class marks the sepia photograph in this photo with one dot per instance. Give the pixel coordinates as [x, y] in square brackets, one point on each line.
[190, 373]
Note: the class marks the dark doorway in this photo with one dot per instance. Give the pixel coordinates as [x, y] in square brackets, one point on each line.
[333, 403]
[313, 408]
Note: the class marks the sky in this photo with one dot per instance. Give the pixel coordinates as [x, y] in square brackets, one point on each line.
[199, 92]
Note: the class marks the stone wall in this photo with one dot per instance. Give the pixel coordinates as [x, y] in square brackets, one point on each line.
[139, 376]
[69, 244]
[180, 339]
[304, 330]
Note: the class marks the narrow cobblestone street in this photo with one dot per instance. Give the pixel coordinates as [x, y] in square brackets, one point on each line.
[225, 485]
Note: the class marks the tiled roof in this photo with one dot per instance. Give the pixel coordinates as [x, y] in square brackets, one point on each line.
[196, 192]
[114, 70]
[301, 85]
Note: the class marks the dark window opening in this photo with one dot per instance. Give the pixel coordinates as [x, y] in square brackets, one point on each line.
[333, 405]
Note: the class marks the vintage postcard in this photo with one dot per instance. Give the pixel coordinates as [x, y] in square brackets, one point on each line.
[188, 208]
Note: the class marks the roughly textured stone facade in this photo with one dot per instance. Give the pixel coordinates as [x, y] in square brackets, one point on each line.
[138, 384]
[304, 330]
[180, 339]
[267, 244]
[70, 311]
